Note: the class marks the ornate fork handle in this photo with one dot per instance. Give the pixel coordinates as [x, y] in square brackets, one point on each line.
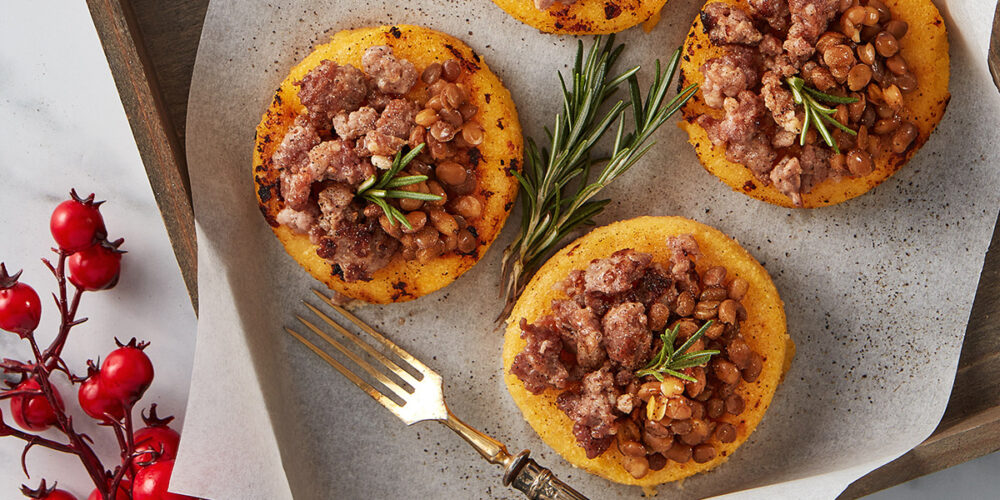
[537, 482]
[521, 472]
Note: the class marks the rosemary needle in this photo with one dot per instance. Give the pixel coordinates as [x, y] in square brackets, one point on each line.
[670, 361]
[817, 114]
[377, 189]
[557, 189]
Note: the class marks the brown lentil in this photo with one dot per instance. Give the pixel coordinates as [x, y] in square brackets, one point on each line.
[725, 432]
[703, 453]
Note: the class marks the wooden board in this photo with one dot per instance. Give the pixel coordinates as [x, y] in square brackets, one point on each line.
[151, 47]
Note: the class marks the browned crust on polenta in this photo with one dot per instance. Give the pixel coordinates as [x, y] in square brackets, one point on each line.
[584, 17]
[499, 154]
[764, 331]
[925, 48]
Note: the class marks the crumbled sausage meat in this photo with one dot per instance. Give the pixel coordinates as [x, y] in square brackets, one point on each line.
[584, 329]
[592, 410]
[786, 178]
[397, 118]
[815, 164]
[627, 338]
[292, 154]
[330, 88]
[350, 126]
[779, 101]
[741, 122]
[299, 222]
[725, 24]
[809, 21]
[538, 365]
[573, 286]
[391, 75]
[296, 188]
[774, 11]
[337, 160]
[617, 273]
[727, 75]
[757, 154]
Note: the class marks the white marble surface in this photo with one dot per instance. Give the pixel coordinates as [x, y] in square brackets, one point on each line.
[63, 126]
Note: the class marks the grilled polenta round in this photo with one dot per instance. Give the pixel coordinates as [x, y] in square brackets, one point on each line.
[764, 330]
[583, 17]
[925, 49]
[499, 154]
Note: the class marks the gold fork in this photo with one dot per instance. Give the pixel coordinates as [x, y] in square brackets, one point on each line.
[425, 401]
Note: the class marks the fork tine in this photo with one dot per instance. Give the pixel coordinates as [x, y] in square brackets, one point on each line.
[398, 351]
[403, 374]
[365, 386]
[394, 387]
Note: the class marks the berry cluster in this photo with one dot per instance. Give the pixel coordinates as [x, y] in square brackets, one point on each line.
[89, 262]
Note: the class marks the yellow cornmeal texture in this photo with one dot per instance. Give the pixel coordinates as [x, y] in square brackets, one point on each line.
[925, 48]
[764, 331]
[584, 16]
[401, 280]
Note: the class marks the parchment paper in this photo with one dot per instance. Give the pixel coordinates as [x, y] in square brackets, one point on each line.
[877, 290]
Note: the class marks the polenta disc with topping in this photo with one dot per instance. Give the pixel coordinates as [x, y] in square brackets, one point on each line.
[471, 137]
[763, 330]
[915, 83]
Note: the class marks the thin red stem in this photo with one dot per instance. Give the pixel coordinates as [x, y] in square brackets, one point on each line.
[128, 450]
[87, 456]
[7, 430]
[20, 392]
[68, 313]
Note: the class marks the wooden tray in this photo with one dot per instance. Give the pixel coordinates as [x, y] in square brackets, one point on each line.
[151, 47]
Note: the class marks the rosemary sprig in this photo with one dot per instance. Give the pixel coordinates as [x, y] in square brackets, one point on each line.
[671, 361]
[816, 113]
[552, 208]
[377, 189]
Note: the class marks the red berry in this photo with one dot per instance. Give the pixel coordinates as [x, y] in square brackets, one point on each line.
[97, 402]
[45, 493]
[151, 483]
[59, 495]
[122, 492]
[20, 307]
[158, 438]
[77, 223]
[96, 267]
[127, 372]
[34, 412]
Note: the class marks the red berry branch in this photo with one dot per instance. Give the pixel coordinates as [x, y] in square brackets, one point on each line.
[108, 394]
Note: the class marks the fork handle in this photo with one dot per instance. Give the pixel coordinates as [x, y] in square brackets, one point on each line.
[537, 482]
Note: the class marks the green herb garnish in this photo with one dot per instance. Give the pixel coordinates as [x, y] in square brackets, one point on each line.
[671, 361]
[816, 113]
[377, 189]
[552, 208]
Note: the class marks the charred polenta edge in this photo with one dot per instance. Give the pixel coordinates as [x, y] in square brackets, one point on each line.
[766, 323]
[584, 17]
[925, 48]
[500, 155]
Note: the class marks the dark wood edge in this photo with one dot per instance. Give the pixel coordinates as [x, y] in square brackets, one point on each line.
[972, 438]
[159, 148]
[993, 56]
